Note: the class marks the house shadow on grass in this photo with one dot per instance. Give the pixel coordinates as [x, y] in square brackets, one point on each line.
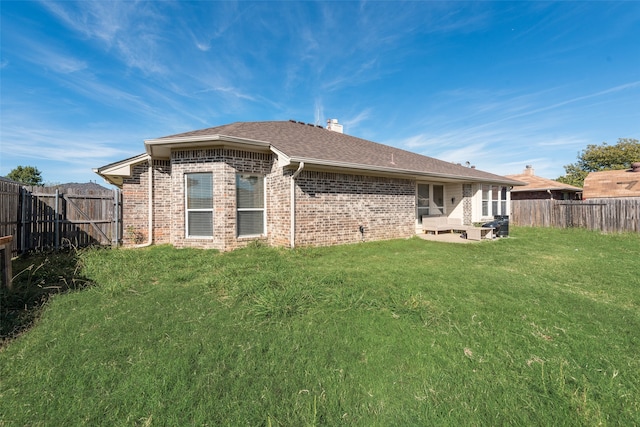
[36, 277]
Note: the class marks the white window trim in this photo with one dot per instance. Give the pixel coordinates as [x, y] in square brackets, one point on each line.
[432, 204]
[187, 210]
[263, 209]
[490, 201]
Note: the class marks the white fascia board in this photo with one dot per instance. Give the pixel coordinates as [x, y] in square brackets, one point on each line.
[114, 173]
[283, 159]
[122, 168]
[165, 144]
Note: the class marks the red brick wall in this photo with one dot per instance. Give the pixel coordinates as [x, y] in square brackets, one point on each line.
[135, 206]
[278, 206]
[224, 164]
[162, 201]
[330, 208]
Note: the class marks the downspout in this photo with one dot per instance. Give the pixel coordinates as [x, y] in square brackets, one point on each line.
[550, 194]
[292, 233]
[150, 197]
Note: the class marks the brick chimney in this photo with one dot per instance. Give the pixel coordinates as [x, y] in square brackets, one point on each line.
[528, 170]
[333, 125]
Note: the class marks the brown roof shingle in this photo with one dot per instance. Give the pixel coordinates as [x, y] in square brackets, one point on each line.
[538, 183]
[619, 183]
[309, 143]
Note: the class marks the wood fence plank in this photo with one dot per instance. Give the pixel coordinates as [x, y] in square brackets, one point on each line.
[38, 218]
[607, 215]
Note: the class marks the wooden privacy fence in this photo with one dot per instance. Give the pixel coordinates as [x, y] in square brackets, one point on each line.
[606, 215]
[51, 218]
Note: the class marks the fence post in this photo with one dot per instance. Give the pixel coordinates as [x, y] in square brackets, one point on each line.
[23, 219]
[56, 221]
[5, 247]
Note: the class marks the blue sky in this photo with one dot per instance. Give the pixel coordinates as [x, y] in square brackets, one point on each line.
[498, 84]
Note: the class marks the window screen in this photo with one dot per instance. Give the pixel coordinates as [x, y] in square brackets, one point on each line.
[495, 199]
[199, 191]
[250, 204]
[485, 199]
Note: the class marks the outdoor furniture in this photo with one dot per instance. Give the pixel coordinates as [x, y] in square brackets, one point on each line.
[437, 224]
[5, 246]
[479, 233]
[440, 223]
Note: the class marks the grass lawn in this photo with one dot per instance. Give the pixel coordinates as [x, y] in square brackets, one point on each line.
[542, 328]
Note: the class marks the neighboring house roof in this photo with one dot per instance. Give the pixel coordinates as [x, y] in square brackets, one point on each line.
[80, 187]
[3, 179]
[617, 183]
[297, 142]
[538, 183]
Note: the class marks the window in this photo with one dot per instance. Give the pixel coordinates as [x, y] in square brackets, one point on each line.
[430, 200]
[250, 203]
[485, 199]
[494, 200]
[438, 199]
[503, 201]
[199, 204]
[423, 201]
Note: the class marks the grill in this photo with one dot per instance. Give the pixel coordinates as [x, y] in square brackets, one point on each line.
[500, 225]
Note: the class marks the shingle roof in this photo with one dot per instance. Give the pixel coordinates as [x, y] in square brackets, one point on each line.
[619, 183]
[309, 143]
[537, 183]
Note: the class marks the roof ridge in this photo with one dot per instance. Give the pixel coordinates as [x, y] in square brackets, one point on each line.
[305, 141]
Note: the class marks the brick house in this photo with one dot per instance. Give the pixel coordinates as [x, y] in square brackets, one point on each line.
[290, 184]
[537, 188]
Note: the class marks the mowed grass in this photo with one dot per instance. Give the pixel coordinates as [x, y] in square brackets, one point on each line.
[542, 328]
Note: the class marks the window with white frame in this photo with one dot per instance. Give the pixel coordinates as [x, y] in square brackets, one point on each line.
[429, 200]
[422, 201]
[251, 212]
[437, 201]
[485, 199]
[199, 204]
[494, 200]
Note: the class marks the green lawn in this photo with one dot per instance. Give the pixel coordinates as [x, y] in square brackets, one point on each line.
[542, 328]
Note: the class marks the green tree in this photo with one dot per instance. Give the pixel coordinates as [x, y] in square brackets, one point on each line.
[603, 157]
[28, 175]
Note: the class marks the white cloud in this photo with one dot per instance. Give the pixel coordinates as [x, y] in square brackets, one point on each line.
[48, 55]
[96, 19]
[354, 122]
[319, 116]
[79, 147]
[466, 153]
[131, 29]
